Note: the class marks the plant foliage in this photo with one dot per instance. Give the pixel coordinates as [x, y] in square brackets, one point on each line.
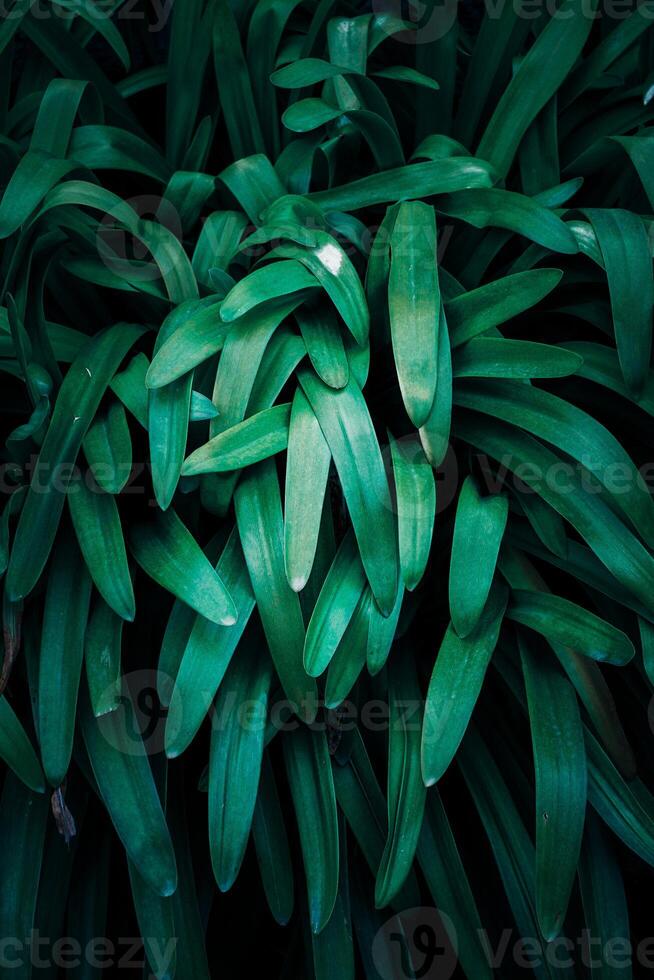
[327, 539]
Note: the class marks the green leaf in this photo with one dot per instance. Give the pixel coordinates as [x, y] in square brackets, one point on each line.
[110, 148]
[170, 555]
[282, 356]
[100, 536]
[75, 408]
[234, 86]
[381, 633]
[321, 333]
[455, 684]
[102, 656]
[511, 845]
[121, 768]
[202, 334]
[496, 302]
[56, 115]
[190, 43]
[155, 918]
[217, 244]
[546, 523]
[23, 816]
[571, 430]
[494, 357]
[333, 948]
[271, 844]
[646, 631]
[362, 801]
[206, 651]
[603, 895]
[36, 174]
[350, 656]
[129, 386]
[260, 525]
[562, 621]
[11, 24]
[540, 74]
[627, 258]
[254, 183]
[585, 674]
[435, 433]
[253, 368]
[501, 34]
[448, 884]
[346, 424]
[306, 72]
[266, 31]
[312, 787]
[176, 635]
[307, 469]
[609, 49]
[414, 307]
[108, 449]
[330, 265]
[400, 183]
[67, 54]
[406, 791]
[258, 437]
[560, 765]
[17, 750]
[237, 735]
[267, 283]
[478, 532]
[202, 408]
[308, 114]
[487, 207]
[627, 808]
[416, 507]
[104, 26]
[401, 73]
[168, 418]
[335, 607]
[601, 365]
[170, 259]
[639, 149]
[194, 334]
[68, 595]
